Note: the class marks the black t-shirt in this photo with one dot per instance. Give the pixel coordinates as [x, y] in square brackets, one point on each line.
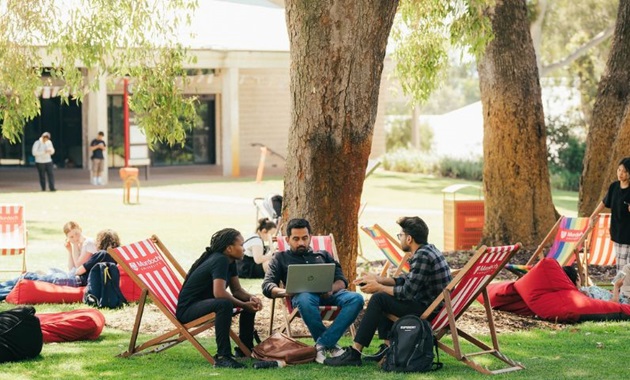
[199, 284]
[97, 153]
[620, 216]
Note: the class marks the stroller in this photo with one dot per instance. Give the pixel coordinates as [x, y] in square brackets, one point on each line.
[269, 207]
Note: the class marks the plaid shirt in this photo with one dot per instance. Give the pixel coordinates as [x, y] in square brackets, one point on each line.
[428, 276]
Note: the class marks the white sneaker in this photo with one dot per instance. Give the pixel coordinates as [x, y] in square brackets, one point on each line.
[336, 351]
[321, 354]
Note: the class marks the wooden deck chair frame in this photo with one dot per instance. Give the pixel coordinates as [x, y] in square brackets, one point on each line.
[13, 234]
[289, 313]
[539, 253]
[458, 295]
[395, 245]
[181, 332]
[600, 248]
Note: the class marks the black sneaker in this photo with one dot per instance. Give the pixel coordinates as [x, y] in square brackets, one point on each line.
[226, 361]
[382, 349]
[350, 357]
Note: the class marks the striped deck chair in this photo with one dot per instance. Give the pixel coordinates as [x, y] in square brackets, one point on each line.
[328, 313]
[568, 236]
[150, 265]
[13, 236]
[600, 247]
[391, 249]
[458, 295]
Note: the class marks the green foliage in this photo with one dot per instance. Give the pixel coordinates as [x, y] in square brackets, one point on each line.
[399, 135]
[409, 161]
[425, 31]
[126, 38]
[469, 169]
[565, 150]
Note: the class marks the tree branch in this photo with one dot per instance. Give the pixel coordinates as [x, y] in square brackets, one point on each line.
[580, 51]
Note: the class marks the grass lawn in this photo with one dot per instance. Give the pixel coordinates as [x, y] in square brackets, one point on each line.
[186, 215]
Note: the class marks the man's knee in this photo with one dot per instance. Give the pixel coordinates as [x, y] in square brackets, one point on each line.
[305, 300]
[379, 300]
[223, 305]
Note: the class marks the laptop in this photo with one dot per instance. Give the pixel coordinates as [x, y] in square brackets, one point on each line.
[310, 278]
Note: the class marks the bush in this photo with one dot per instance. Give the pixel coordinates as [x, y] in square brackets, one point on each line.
[565, 150]
[409, 161]
[470, 169]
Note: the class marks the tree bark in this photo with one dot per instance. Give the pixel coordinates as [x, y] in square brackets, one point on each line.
[600, 161]
[337, 53]
[518, 205]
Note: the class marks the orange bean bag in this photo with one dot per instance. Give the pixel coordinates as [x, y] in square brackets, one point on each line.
[70, 326]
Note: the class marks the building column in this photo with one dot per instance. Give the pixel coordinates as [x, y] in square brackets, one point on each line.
[95, 118]
[230, 152]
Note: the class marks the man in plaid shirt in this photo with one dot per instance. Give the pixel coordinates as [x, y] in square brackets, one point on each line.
[409, 293]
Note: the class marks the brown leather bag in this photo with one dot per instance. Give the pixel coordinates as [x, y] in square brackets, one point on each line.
[281, 347]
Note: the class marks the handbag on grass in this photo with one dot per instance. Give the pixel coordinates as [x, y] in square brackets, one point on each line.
[281, 347]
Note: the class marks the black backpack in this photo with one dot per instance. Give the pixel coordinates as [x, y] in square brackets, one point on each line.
[411, 347]
[21, 335]
[103, 287]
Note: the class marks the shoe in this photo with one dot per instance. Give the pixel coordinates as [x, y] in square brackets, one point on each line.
[350, 357]
[321, 354]
[238, 353]
[227, 361]
[382, 349]
[335, 351]
[53, 190]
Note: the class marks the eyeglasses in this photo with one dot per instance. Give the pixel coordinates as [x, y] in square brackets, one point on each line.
[400, 235]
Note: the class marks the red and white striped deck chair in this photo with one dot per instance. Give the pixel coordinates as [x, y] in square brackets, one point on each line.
[469, 282]
[13, 234]
[150, 265]
[328, 313]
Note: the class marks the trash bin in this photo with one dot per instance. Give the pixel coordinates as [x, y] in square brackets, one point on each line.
[463, 218]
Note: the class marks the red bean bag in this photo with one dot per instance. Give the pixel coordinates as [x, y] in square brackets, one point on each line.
[27, 292]
[69, 326]
[503, 296]
[129, 289]
[550, 294]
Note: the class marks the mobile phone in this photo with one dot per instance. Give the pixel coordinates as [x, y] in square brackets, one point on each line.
[362, 283]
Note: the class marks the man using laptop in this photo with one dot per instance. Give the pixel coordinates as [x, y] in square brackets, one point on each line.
[351, 303]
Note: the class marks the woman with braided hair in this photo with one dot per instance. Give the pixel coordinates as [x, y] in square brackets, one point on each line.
[205, 291]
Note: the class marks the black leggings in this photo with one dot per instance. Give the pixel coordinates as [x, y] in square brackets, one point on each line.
[223, 309]
[375, 316]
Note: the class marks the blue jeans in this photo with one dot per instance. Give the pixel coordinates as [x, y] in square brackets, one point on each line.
[351, 304]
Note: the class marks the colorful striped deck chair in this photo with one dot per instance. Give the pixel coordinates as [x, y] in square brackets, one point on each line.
[391, 249]
[328, 313]
[568, 236]
[600, 247]
[458, 295]
[150, 265]
[13, 237]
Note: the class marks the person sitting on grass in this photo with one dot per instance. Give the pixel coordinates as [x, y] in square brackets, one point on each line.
[105, 240]
[600, 293]
[410, 293]
[205, 291]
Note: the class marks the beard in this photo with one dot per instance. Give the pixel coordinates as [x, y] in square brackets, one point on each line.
[405, 248]
[301, 250]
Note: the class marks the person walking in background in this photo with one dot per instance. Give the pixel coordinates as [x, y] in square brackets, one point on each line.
[97, 147]
[42, 151]
[617, 199]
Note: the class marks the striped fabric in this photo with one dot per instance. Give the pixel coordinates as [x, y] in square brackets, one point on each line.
[475, 279]
[570, 232]
[385, 245]
[153, 269]
[12, 230]
[600, 251]
[318, 243]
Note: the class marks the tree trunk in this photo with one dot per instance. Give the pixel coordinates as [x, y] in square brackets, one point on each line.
[600, 162]
[337, 53]
[518, 205]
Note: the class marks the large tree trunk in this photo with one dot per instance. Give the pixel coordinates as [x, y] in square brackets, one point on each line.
[600, 161]
[337, 53]
[518, 205]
